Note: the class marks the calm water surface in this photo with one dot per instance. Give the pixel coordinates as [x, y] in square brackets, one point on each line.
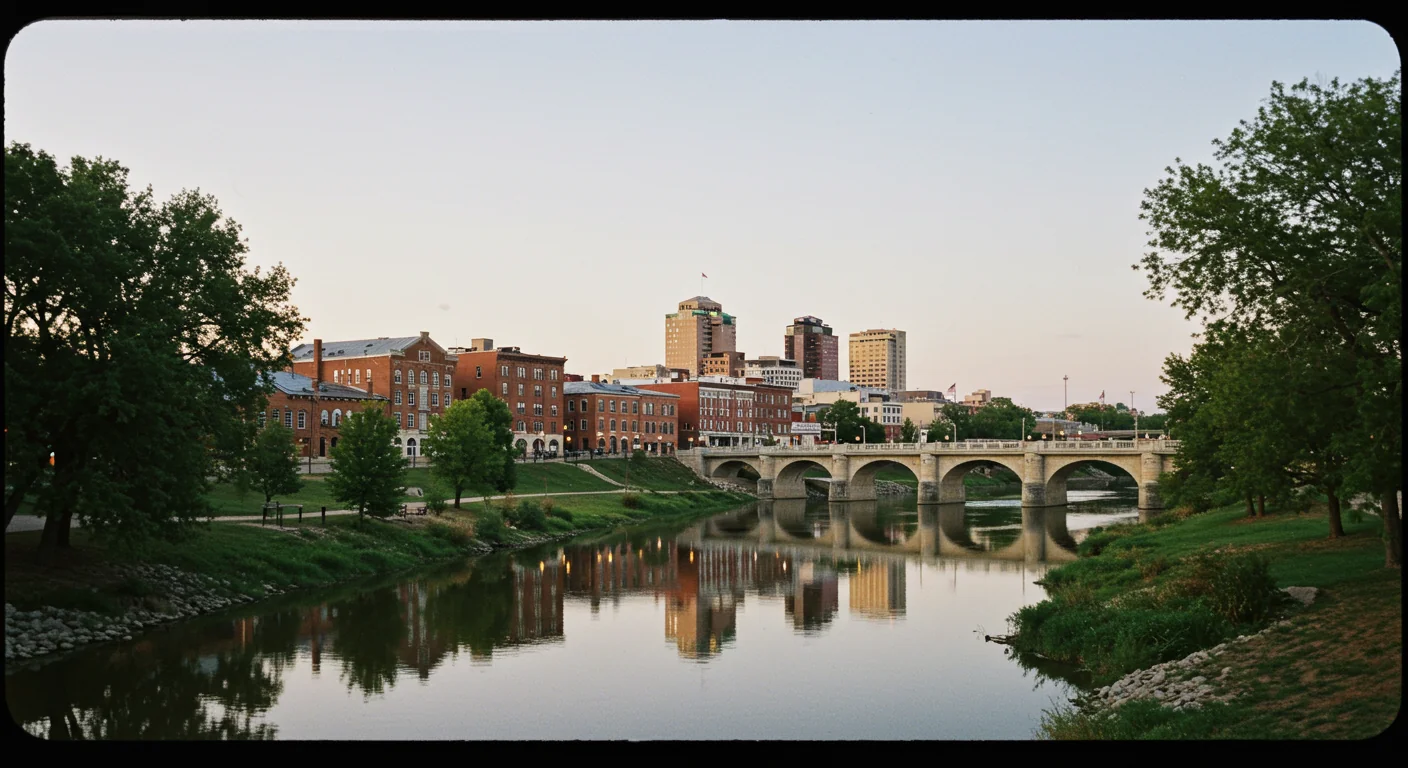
[781, 620]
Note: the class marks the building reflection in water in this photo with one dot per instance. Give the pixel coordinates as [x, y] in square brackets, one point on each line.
[814, 598]
[877, 590]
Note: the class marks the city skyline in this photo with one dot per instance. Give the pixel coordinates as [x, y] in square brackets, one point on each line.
[627, 159]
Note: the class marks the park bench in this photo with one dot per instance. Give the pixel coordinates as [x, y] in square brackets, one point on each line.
[410, 509]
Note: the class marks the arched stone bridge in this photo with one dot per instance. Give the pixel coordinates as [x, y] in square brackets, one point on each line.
[939, 467]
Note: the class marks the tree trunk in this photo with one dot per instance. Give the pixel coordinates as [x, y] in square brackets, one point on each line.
[1333, 502]
[1261, 505]
[1251, 507]
[65, 527]
[458, 491]
[49, 539]
[1393, 529]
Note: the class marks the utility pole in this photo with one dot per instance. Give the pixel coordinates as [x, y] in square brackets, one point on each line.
[1065, 393]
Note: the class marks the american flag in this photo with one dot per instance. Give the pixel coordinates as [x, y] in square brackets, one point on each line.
[953, 388]
[701, 274]
[1102, 397]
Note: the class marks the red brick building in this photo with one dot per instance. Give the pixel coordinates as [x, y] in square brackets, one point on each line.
[530, 384]
[720, 411]
[313, 410]
[722, 364]
[413, 371]
[618, 419]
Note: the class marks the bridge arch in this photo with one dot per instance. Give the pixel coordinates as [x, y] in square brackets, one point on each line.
[737, 472]
[790, 481]
[951, 476]
[865, 471]
[1060, 468]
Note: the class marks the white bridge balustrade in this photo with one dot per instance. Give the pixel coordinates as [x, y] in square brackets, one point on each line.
[1042, 465]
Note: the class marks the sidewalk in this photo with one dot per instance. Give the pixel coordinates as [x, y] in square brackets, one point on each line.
[22, 523]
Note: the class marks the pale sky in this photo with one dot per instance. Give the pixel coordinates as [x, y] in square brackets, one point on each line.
[561, 186]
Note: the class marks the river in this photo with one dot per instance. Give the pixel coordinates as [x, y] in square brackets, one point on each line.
[780, 620]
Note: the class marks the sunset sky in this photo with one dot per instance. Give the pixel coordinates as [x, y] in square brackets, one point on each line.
[562, 186]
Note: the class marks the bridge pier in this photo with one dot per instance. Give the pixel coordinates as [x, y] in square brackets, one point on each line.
[1033, 480]
[840, 526]
[1151, 465]
[766, 477]
[928, 479]
[840, 487]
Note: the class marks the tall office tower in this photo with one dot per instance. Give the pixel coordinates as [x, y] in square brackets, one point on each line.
[698, 329]
[878, 359]
[809, 341]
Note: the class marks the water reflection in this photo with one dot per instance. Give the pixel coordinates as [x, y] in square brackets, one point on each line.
[219, 678]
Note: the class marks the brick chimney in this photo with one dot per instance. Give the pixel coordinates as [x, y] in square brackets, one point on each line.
[317, 364]
[596, 378]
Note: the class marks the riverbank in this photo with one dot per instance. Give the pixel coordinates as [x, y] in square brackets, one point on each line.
[1223, 626]
[94, 593]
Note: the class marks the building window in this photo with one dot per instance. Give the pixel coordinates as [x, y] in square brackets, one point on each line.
[435, 379]
[478, 371]
[554, 410]
[447, 381]
[571, 406]
[398, 419]
[410, 398]
[635, 425]
[613, 425]
[262, 417]
[600, 423]
[600, 404]
[288, 418]
[396, 376]
[324, 419]
[504, 388]
[584, 424]
[522, 372]
[613, 406]
[337, 417]
[538, 374]
[520, 427]
[623, 406]
[503, 370]
[520, 409]
[425, 356]
[537, 426]
[422, 378]
[552, 427]
[520, 390]
[537, 390]
[447, 400]
[635, 407]
[552, 374]
[336, 377]
[435, 399]
[359, 375]
[554, 392]
[537, 409]
[302, 419]
[422, 417]
[397, 396]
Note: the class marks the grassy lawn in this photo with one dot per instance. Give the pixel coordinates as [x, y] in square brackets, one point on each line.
[610, 510]
[1334, 672]
[532, 478]
[665, 474]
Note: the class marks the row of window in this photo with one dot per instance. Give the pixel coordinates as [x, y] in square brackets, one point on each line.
[761, 428]
[432, 379]
[522, 373]
[335, 418]
[411, 398]
[538, 427]
[651, 427]
[537, 390]
[537, 409]
[411, 421]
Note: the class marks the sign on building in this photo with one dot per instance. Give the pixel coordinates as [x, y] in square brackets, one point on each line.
[806, 428]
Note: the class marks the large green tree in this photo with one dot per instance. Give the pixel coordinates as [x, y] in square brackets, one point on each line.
[368, 473]
[1001, 419]
[956, 424]
[136, 340]
[471, 445]
[909, 432]
[272, 464]
[849, 424]
[1297, 237]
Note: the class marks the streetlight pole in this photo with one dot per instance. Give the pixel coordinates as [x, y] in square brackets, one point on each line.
[1136, 414]
[1065, 393]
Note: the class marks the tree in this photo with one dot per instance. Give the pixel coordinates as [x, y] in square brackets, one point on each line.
[368, 473]
[272, 466]
[135, 347]
[1001, 419]
[955, 425]
[471, 445]
[845, 417]
[909, 433]
[1299, 235]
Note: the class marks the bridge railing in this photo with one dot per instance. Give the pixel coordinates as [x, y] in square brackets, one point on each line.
[966, 446]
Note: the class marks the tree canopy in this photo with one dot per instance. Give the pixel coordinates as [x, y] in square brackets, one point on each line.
[851, 426]
[136, 340]
[272, 464]
[368, 473]
[1291, 251]
[470, 445]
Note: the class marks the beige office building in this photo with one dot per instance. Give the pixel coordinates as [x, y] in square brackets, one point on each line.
[878, 359]
[699, 329]
[656, 371]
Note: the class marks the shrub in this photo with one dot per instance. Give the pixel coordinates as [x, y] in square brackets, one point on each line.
[1097, 540]
[563, 514]
[548, 505]
[1152, 566]
[630, 501]
[489, 525]
[1243, 591]
[454, 534]
[435, 499]
[530, 517]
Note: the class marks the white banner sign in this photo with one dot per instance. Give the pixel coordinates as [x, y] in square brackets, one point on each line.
[806, 428]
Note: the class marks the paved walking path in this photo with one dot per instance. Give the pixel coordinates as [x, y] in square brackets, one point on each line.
[21, 523]
[592, 471]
